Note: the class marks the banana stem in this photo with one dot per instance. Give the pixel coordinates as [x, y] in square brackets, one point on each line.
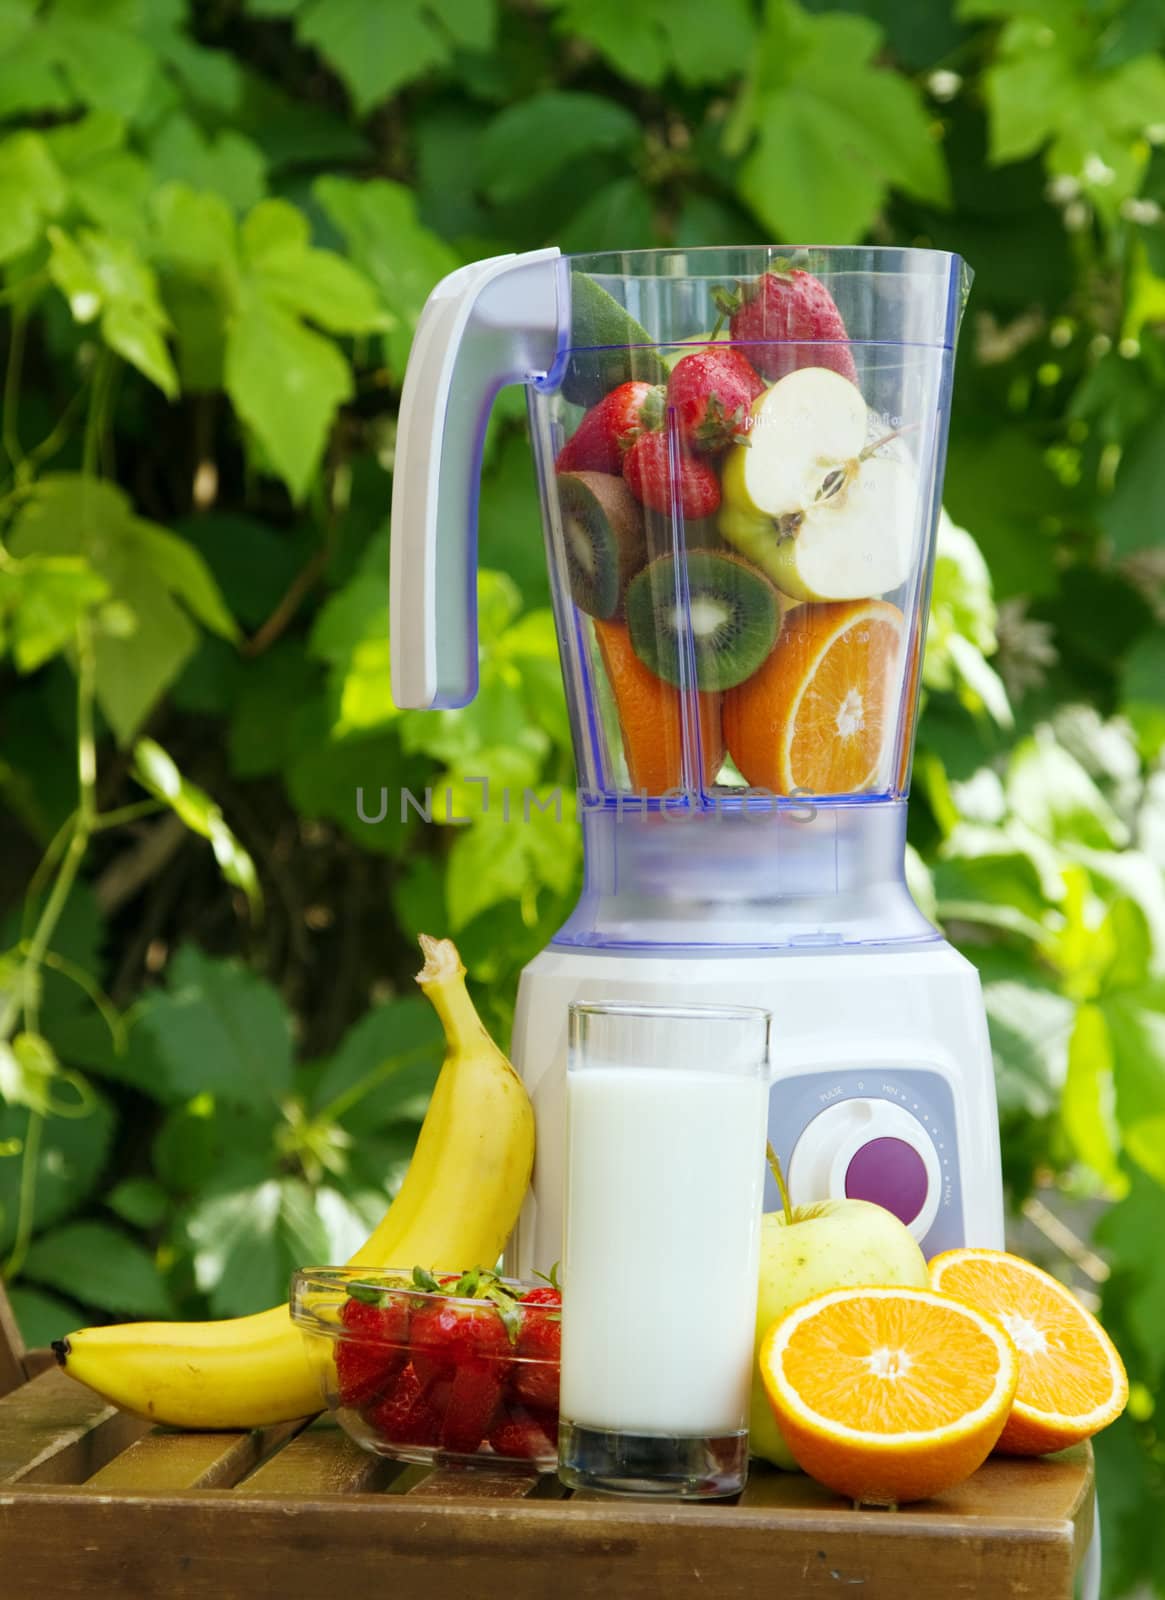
[443, 980]
[775, 1169]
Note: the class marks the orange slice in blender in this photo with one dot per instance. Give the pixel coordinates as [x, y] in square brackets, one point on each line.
[819, 716]
[1072, 1382]
[649, 713]
[888, 1395]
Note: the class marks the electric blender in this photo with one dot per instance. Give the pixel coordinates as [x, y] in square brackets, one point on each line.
[740, 587]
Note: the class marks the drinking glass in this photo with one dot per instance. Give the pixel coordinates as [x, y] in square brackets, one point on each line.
[666, 1114]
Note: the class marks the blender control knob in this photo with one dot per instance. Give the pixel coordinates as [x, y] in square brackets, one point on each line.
[865, 1149]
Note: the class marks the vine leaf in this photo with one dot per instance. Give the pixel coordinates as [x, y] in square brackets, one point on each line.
[247, 1242]
[157, 773]
[244, 296]
[100, 275]
[1132, 1232]
[184, 572]
[494, 861]
[1136, 1030]
[1049, 791]
[385, 238]
[42, 599]
[141, 1202]
[384, 1068]
[1046, 88]
[531, 140]
[377, 49]
[317, 284]
[1087, 1111]
[219, 1030]
[647, 40]
[31, 190]
[78, 53]
[961, 634]
[151, 577]
[826, 133]
[286, 382]
[107, 66]
[27, 1066]
[1131, 514]
[101, 1266]
[69, 1165]
[227, 163]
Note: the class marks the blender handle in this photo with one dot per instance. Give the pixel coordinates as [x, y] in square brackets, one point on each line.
[494, 322]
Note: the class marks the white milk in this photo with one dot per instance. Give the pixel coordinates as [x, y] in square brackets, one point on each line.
[665, 1174]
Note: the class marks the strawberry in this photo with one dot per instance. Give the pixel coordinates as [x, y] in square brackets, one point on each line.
[647, 470]
[712, 392]
[374, 1346]
[474, 1397]
[780, 309]
[465, 1344]
[534, 1375]
[526, 1434]
[409, 1414]
[447, 1332]
[548, 1294]
[604, 434]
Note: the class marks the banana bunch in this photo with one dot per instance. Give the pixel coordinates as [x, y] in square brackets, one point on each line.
[458, 1203]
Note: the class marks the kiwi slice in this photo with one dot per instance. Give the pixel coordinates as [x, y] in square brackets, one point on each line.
[734, 615]
[608, 346]
[602, 527]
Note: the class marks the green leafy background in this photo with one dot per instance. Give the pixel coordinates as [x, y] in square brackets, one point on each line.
[218, 224]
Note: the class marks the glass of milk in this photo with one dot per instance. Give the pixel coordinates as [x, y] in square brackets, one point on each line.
[665, 1163]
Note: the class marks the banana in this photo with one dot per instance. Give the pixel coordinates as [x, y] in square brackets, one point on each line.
[458, 1203]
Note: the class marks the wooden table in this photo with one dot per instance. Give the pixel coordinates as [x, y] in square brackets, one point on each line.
[97, 1503]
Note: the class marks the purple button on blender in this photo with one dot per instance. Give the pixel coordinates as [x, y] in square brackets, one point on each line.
[891, 1173]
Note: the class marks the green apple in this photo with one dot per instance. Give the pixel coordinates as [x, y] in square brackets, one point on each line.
[833, 1244]
[807, 497]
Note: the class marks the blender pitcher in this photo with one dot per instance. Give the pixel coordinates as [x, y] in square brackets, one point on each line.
[739, 453]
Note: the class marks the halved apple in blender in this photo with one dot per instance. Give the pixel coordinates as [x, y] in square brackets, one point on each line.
[810, 500]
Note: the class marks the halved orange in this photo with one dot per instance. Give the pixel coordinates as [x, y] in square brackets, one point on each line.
[1072, 1382]
[819, 716]
[888, 1395]
[650, 720]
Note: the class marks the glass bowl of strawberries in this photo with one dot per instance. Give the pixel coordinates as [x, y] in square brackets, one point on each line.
[436, 1368]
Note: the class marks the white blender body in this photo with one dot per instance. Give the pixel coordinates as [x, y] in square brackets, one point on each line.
[882, 1079]
[712, 884]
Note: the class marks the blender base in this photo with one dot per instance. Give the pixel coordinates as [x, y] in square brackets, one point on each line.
[883, 1086]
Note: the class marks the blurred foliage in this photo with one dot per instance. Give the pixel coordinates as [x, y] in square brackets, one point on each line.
[217, 227]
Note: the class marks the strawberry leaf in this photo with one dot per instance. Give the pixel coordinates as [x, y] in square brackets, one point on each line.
[508, 1310]
[367, 1294]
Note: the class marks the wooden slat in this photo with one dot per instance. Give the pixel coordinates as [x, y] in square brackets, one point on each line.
[1051, 1490]
[164, 1460]
[12, 1369]
[321, 1460]
[1007, 1499]
[475, 1483]
[54, 1430]
[222, 1545]
[1045, 1489]
[38, 1360]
